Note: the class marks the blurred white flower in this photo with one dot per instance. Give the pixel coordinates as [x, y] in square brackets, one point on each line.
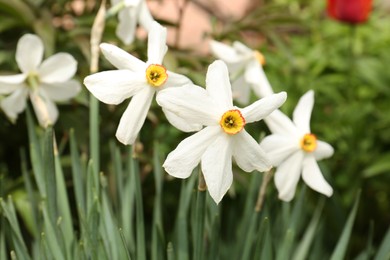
[293, 149]
[139, 80]
[44, 82]
[132, 13]
[223, 137]
[246, 70]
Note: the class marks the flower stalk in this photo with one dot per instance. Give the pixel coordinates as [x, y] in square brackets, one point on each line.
[199, 217]
[263, 188]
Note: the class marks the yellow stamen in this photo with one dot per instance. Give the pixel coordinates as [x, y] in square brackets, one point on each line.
[156, 75]
[259, 57]
[309, 143]
[232, 121]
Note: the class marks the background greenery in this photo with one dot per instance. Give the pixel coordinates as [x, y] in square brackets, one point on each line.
[346, 65]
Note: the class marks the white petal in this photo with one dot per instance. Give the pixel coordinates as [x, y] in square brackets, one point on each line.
[263, 107]
[302, 112]
[45, 110]
[287, 176]
[60, 67]
[279, 123]
[175, 80]
[29, 52]
[190, 103]
[10, 83]
[14, 103]
[217, 167]
[254, 74]
[180, 123]
[157, 46]
[324, 150]
[62, 91]
[218, 85]
[312, 176]
[248, 154]
[121, 59]
[241, 91]
[279, 147]
[114, 86]
[224, 52]
[242, 48]
[127, 24]
[145, 18]
[134, 116]
[181, 162]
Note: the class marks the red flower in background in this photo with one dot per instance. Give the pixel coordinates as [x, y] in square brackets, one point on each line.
[350, 11]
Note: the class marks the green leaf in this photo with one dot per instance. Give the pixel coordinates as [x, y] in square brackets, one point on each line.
[342, 244]
[384, 249]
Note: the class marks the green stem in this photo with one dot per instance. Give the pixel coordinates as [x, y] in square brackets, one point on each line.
[200, 218]
[94, 132]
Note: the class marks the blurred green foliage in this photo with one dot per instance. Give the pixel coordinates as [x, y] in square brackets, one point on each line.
[346, 65]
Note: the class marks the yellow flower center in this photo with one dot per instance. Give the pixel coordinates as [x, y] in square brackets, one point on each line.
[309, 143]
[232, 122]
[156, 75]
[259, 57]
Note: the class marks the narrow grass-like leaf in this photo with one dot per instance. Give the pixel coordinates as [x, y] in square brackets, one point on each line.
[2, 237]
[124, 243]
[53, 240]
[199, 223]
[366, 254]
[118, 172]
[384, 249]
[342, 244]
[77, 176]
[127, 211]
[158, 247]
[94, 132]
[109, 229]
[304, 246]
[264, 242]
[215, 235]
[63, 206]
[10, 214]
[50, 175]
[35, 155]
[139, 215]
[170, 252]
[249, 237]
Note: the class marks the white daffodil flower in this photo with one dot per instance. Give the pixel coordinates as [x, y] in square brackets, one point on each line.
[246, 69]
[44, 82]
[139, 80]
[223, 137]
[294, 150]
[132, 13]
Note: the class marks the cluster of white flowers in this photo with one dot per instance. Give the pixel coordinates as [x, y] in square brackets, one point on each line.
[219, 125]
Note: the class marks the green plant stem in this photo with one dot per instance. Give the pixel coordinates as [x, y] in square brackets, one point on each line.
[263, 188]
[200, 217]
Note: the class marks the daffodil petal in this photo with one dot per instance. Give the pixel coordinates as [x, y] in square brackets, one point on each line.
[134, 116]
[45, 110]
[29, 52]
[14, 103]
[62, 91]
[190, 103]
[224, 52]
[60, 67]
[242, 48]
[312, 176]
[180, 123]
[157, 46]
[302, 112]
[145, 18]
[10, 83]
[278, 148]
[324, 150]
[114, 86]
[254, 74]
[287, 176]
[217, 167]
[181, 162]
[175, 80]
[241, 91]
[263, 107]
[127, 23]
[218, 85]
[248, 154]
[279, 123]
[121, 59]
